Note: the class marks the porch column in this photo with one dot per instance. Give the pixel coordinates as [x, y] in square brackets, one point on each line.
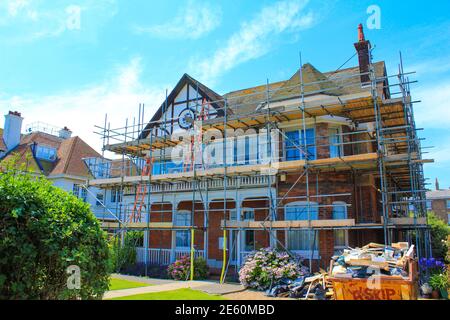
[239, 233]
[173, 244]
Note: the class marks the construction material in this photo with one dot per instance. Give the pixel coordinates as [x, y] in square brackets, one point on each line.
[375, 272]
[307, 287]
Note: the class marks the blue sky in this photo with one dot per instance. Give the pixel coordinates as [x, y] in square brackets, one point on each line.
[63, 70]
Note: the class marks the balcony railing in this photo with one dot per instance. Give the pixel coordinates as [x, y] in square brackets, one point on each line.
[164, 256]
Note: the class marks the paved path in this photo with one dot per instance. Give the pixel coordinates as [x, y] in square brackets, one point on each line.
[152, 281]
[159, 285]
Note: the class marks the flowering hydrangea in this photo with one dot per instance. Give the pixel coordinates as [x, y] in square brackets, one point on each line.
[267, 266]
[181, 268]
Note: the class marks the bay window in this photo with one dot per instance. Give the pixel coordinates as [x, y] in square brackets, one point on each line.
[302, 241]
[295, 145]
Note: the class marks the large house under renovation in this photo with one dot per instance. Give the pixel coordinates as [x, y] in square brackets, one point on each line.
[310, 165]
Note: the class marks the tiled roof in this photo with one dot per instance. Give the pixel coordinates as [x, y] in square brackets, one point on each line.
[438, 194]
[336, 83]
[70, 154]
[70, 157]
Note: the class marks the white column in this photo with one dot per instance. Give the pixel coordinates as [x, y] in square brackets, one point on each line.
[239, 233]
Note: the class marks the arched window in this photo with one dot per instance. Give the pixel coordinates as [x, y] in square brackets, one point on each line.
[340, 236]
[302, 241]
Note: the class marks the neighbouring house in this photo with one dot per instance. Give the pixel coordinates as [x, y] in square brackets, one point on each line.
[311, 165]
[53, 152]
[438, 201]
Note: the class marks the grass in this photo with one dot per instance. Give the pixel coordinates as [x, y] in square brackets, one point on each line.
[179, 294]
[119, 284]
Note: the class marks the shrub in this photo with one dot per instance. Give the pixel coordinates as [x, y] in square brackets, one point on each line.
[181, 269]
[267, 266]
[43, 231]
[439, 281]
[123, 254]
[439, 236]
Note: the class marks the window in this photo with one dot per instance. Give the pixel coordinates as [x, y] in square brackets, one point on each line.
[247, 214]
[99, 200]
[294, 142]
[76, 190]
[182, 237]
[46, 153]
[302, 240]
[116, 195]
[429, 206]
[163, 167]
[448, 204]
[340, 236]
[335, 143]
[83, 195]
[249, 240]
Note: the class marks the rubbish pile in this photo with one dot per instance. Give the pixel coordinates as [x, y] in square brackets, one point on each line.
[311, 287]
[373, 259]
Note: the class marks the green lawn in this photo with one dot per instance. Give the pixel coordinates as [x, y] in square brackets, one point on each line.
[119, 284]
[180, 294]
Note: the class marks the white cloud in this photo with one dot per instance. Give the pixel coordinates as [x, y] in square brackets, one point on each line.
[14, 6]
[31, 20]
[192, 22]
[431, 67]
[82, 109]
[434, 109]
[255, 37]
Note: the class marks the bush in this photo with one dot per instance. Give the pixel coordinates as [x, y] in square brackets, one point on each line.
[123, 254]
[439, 235]
[181, 269]
[267, 266]
[43, 231]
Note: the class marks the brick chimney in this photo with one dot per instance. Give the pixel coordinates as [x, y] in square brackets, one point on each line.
[363, 49]
[12, 129]
[437, 184]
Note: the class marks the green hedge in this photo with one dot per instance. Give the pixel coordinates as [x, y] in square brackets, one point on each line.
[43, 231]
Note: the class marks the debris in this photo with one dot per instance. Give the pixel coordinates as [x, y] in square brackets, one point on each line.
[363, 262]
[375, 272]
[311, 287]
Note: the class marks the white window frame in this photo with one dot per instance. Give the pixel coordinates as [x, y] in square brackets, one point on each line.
[233, 212]
[76, 190]
[46, 155]
[300, 137]
[174, 233]
[303, 253]
[339, 135]
[340, 248]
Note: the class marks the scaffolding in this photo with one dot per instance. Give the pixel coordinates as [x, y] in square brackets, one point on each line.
[384, 155]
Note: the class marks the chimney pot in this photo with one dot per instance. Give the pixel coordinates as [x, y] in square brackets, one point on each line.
[361, 37]
[363, 49]
[65, 133]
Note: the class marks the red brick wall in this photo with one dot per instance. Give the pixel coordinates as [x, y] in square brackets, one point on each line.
[160, 238]
[216, 215]
[322, 141]
[362, 200]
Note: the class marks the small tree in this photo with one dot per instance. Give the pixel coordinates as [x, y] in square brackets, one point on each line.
[439, 235]
[44, 231]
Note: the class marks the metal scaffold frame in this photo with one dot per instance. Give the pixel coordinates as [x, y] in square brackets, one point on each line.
[397, 165]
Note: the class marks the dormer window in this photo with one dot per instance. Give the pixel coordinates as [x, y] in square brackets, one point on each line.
[46, 153]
